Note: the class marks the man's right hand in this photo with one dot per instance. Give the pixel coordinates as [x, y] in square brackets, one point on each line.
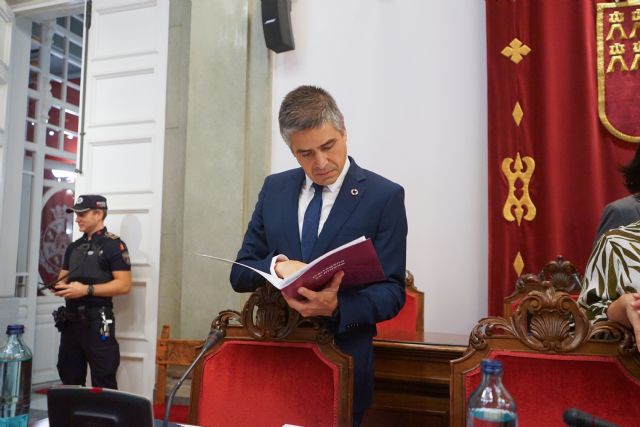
[286, 268]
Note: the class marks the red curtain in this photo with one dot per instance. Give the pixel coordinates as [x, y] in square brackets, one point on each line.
[552, 164]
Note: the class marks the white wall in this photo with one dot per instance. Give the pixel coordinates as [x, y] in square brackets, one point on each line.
[410, 79]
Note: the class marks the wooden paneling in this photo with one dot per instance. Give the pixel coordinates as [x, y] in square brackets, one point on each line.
[412, 378]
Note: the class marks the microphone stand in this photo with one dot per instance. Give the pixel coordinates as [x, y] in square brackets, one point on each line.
[214, 336]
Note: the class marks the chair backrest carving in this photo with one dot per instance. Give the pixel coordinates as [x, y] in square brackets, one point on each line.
[547, 327]
[559, 273]
[549, 321]
[265, 327]
[266, 316]
[562, 275]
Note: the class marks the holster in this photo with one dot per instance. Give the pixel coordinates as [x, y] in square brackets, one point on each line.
[60, 317]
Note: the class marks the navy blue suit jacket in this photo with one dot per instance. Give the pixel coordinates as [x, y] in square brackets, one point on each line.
[368, 205]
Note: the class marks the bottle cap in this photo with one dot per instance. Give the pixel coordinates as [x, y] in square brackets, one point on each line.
[15, 329]
[491, 366]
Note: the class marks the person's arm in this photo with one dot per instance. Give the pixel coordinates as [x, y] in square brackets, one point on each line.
[116, 257]
[254, 251]
[623, 311]
[600, 284]
[608, 292]
[626, 310]
[120, 285]
[64, 271]
[383, 300]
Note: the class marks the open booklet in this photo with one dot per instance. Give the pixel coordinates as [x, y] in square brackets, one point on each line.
[357, 259]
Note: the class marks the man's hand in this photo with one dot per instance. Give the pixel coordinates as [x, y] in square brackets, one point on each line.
[72, 290]
[321, 303]
[286, 268]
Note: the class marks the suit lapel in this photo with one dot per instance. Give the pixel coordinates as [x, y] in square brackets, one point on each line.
[352, 190]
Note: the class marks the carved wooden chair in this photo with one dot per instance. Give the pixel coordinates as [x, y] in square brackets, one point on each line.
[553, 361]
[172, 354]
[272, 368]
[411, 316]
[560, 274]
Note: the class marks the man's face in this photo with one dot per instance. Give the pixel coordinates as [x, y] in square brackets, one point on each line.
[89, 221]
[321, 152]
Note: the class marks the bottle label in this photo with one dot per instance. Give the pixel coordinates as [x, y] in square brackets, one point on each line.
[491, 417]
[17, 421]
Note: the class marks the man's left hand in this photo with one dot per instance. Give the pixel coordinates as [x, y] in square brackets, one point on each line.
[321, 303]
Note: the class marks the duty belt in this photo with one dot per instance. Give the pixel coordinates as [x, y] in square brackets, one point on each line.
[84, 312]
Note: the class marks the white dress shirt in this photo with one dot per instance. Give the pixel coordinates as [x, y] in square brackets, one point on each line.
[329, 196]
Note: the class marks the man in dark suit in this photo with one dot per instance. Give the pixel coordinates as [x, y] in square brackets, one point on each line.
[351, 202]
[626, 210]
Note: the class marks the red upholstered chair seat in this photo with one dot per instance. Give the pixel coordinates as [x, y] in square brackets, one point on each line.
[268, 384]
[544, 385]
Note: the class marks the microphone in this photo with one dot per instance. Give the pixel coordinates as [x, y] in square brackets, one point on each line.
[214, 336]
[576, 418]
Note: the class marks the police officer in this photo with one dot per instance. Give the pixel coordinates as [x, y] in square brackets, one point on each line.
[96, 267]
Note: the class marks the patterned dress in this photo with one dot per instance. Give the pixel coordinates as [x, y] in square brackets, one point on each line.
[613, 269]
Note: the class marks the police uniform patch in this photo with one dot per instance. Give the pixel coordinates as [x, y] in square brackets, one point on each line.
[125, 257]
[111, 235]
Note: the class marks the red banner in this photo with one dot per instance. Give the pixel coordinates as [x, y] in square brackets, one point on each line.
[552, 164]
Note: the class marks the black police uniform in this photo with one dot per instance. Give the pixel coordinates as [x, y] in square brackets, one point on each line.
[85, 335]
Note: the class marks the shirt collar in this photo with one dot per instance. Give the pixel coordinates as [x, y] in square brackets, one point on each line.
[331, 187]
[98, 233]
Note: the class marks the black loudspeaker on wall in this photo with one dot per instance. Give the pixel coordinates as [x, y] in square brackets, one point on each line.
[276, 24]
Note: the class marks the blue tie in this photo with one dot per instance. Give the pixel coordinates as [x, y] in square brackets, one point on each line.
[310, 223]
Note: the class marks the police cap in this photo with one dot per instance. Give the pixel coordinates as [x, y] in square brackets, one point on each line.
[87, 202]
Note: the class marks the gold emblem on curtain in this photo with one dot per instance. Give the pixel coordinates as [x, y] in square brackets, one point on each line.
[516, 51]
[517, 114]
[518, 264]
[516, 172]
[618, 62]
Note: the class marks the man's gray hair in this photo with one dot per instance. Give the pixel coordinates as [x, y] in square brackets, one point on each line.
[308, 107]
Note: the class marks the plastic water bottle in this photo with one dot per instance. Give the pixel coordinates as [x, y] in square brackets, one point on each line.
[491, 405]
[15, 377]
